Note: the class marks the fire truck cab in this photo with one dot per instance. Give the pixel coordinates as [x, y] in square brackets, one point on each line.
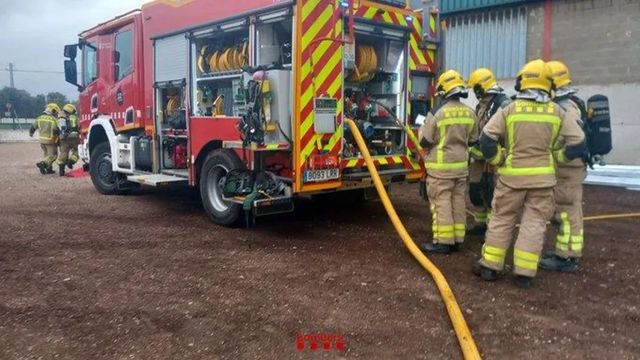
[246, 99]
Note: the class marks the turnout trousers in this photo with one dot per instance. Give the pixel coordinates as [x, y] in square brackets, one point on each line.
[481, 183]
[568, 195]
[50, 153]
[535, 207]
[447, 203]
[68, 151]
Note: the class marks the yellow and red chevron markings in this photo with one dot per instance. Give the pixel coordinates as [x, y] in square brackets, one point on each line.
[321, 74]
[381, 161]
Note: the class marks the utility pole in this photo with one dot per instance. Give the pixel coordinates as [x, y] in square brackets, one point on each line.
[11, 82]
[11, 69]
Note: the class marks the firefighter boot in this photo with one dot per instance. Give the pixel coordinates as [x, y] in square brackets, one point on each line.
[437, 248]
[551, 261]
[49, 170]
[70, 164]
[61, 169]
[524, 282]
[484, 272]
[42, 167]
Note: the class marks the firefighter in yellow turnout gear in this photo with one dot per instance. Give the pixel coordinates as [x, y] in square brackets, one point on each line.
[490, 97]
[68, 124]
[568, 191]
[448, 132]
[522, 141]
[47, 127]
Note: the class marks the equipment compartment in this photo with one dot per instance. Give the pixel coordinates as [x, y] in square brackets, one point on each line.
[218, 57]
[375, 89]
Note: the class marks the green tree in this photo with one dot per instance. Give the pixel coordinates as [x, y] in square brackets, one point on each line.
[22, 101]
[27, 106]
[39, 102]
[58, 98]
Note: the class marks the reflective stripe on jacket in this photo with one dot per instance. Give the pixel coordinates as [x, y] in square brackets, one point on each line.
[570, 107]
[73, 126]
[46, 126]
[531, 157]
[449, 132]
[529, 131]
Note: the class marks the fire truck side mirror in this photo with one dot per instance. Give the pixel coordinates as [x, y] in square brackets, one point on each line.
[71, 73]
[71, 51]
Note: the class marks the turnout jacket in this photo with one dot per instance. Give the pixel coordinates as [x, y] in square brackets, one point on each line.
[448, 132]
[47, 127]
[488, 105]
[522, 139]
[572, 110]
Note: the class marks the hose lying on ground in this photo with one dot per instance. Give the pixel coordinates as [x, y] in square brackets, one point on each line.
[612, 216]
[467, 344]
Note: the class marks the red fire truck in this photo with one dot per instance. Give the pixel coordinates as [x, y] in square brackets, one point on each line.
[246, 99]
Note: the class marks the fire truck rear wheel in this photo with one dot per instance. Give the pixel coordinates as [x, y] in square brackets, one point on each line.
[102, 176]
[217, 164]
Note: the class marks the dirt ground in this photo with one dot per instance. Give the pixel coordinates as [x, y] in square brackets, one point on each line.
[148, 276]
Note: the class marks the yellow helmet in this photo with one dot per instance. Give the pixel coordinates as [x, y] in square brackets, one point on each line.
[52, 108]
[481, 80]
[534, 75]
[559, 74]
[449, 81]
[69, 109]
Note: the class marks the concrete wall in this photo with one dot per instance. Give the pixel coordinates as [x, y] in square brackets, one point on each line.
[600, 39]
[624, 100]
[600, 42]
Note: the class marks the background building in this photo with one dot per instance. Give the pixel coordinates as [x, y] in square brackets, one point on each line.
[598, 39]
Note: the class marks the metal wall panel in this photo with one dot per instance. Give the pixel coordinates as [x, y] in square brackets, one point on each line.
[494, 39]
[172, 58]
[452, 6]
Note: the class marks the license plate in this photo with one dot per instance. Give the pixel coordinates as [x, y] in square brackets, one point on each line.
[321, 175]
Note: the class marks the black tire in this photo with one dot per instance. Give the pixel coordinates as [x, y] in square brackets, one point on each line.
[216, 165]
[102, 176]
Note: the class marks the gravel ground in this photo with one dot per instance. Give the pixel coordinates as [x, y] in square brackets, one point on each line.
[85, 276]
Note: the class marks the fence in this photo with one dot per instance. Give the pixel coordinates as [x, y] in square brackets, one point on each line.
[15, 124]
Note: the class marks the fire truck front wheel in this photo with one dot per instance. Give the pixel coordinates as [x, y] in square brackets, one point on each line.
[217, 164]
[102, 176]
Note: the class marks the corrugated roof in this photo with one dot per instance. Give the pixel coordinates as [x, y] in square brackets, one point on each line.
[451, 6]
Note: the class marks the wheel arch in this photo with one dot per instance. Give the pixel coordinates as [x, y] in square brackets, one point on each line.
[202, 155]
[101, 129]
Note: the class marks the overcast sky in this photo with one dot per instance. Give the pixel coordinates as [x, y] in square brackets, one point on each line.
[33, 34]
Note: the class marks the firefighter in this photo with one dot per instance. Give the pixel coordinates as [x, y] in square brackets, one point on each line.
[490, 97]
[68, 124]
[522, 141]
[448, 132]
[48, 132]
[568, 191]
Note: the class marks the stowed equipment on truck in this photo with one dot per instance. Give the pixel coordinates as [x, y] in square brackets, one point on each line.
[247, 99]
[259, 191]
